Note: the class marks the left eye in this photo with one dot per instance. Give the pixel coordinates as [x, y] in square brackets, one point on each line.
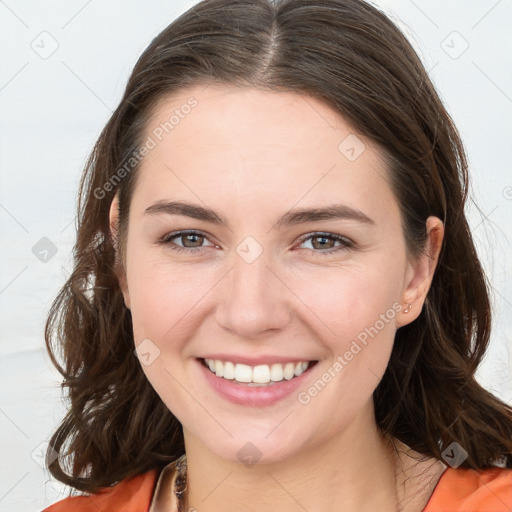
[193, 241]
[321, 241]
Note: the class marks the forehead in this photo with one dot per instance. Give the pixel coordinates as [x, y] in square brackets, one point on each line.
[258, 146]
[242, 120]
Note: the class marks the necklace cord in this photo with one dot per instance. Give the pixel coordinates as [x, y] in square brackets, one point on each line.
[180, 484]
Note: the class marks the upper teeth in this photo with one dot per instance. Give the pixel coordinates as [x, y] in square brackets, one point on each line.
[261, 374]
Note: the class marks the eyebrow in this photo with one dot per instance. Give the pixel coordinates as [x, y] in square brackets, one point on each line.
[290, 218]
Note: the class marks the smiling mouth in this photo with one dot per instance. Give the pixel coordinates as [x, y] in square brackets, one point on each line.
[260, 375]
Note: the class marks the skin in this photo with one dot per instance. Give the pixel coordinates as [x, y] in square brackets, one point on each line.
[252, 156]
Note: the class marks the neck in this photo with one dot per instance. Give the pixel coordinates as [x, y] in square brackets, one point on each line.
[334, 475]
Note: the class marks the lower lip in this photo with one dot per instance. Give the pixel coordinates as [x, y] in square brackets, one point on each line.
[242, 394]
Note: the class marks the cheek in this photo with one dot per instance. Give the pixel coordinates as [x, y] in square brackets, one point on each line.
[162, 296]
[356, 313]
[164, 304]
[346, 301]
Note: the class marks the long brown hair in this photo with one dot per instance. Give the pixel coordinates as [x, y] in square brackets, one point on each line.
[348, 54]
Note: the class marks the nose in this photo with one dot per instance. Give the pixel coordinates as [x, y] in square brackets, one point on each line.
[254, 299]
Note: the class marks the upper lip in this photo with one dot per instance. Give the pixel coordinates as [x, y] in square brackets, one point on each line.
[255, 361]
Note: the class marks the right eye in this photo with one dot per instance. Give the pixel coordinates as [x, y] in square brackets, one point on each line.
[187, 237]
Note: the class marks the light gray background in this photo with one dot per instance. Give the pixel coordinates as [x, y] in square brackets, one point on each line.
[53, 106]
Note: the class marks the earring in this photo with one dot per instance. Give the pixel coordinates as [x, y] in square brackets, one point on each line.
[408, 308]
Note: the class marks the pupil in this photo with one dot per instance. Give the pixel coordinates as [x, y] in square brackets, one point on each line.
[319, 238]
[187, 237]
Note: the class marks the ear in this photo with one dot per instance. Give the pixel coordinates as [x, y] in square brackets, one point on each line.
[119, 266]
[420, 273]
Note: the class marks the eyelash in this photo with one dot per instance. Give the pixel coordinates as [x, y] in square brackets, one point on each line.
[347, 243]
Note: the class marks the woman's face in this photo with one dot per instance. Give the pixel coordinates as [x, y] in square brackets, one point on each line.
[267, 277]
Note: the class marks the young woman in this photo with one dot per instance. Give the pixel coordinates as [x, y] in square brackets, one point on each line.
[276, 302]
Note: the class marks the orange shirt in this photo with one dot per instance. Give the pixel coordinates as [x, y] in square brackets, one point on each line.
[130, 495]
[458, 490]
[467, 490]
